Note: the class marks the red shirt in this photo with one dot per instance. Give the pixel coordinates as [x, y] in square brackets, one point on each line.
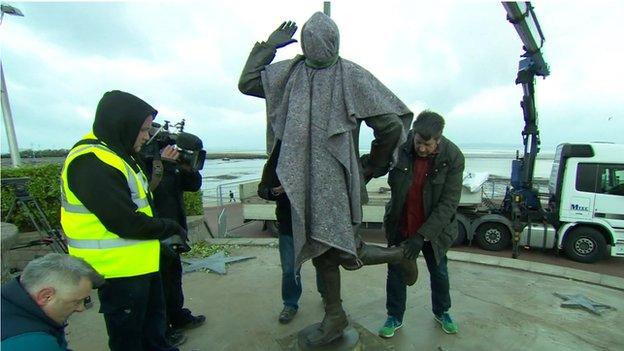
[413, 210]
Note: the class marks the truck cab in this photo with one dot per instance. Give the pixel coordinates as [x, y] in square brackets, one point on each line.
[586, 189]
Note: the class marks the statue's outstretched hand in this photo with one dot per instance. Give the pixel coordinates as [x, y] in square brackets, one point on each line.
[282, 36]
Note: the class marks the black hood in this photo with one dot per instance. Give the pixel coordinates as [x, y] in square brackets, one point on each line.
[118, 120]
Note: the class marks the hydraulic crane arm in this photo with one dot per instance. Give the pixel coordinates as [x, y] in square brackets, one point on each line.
[532, 64]
[523, 197]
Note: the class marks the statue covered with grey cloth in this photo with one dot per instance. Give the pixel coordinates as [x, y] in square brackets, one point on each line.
[315, 104]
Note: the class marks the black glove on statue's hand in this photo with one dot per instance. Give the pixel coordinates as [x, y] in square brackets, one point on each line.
[282, 36]
[412, 246]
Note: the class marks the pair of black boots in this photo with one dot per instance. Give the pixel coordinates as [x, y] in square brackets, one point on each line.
[327, 266]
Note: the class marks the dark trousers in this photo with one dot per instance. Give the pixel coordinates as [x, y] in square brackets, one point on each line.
[291, 277]
[171, 271]
[134, 312]
[396, 290]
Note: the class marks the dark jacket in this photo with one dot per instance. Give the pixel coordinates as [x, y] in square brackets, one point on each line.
[103, 189]
[441, 195]
[169, 194]
[24, 324]
[269, 180]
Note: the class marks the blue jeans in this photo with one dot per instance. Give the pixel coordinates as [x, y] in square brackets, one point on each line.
[291, 277]
[396, 290]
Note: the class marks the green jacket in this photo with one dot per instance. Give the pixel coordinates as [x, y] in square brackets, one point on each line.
[440, 195]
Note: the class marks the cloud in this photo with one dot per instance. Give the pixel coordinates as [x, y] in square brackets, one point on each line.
[184, 58]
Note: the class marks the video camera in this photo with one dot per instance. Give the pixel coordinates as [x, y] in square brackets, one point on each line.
[189, 145]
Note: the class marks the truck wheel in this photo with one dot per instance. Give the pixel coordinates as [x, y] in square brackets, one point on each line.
[273, 228]
[585, 244]
[461, 234]
[493, 236]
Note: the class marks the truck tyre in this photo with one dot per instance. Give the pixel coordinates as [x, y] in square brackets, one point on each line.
[461, 234]
[585, 244]
[493, 236]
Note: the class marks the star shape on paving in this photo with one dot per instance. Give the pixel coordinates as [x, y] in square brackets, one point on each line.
[215, 262]
[580, 301]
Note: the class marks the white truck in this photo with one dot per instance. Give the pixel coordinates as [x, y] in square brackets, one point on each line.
[584, 212]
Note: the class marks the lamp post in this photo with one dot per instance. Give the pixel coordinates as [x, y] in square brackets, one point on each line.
[6, 108]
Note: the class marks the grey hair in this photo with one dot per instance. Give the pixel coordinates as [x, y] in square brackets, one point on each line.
[58, 270]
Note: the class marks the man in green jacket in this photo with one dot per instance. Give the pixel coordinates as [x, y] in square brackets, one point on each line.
[426, 187]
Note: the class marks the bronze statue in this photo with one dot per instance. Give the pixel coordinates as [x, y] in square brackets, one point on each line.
[315, 105]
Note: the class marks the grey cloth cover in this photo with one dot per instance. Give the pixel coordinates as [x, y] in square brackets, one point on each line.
[314, 113]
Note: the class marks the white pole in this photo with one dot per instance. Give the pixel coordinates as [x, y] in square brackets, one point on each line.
[8, 122]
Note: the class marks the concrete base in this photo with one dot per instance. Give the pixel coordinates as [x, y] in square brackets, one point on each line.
[349, 341]
[366, 341]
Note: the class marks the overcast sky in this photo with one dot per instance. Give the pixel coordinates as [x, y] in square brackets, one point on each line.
[458, 58]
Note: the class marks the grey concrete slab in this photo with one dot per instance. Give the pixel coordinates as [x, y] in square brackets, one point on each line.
[609, 280]
[496, 309]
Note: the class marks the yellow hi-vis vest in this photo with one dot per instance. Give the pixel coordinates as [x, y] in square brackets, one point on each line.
[110, 255]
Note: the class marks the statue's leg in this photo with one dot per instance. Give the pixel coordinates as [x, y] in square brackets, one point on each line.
[335, 320]
[372, 254]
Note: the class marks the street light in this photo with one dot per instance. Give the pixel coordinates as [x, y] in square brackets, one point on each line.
[6, 108]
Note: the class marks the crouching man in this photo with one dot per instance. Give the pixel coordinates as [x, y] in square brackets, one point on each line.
[37, 304]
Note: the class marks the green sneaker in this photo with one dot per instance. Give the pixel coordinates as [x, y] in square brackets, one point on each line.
[391, 325]
[447, 323]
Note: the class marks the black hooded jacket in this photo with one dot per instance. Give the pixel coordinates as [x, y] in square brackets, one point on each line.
[103, 189]
[21, 315]
[270, 180]
[169, 195]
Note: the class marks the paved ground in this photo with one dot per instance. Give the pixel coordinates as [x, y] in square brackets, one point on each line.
[496, 308]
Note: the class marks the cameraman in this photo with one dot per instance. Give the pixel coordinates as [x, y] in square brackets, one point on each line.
[168, 193]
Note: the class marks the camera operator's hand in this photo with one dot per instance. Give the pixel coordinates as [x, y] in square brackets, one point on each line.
[169, 153]
[177, 243]
[282, 36]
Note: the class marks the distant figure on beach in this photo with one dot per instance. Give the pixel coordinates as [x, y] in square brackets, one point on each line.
[232, 199]
[316, 103]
